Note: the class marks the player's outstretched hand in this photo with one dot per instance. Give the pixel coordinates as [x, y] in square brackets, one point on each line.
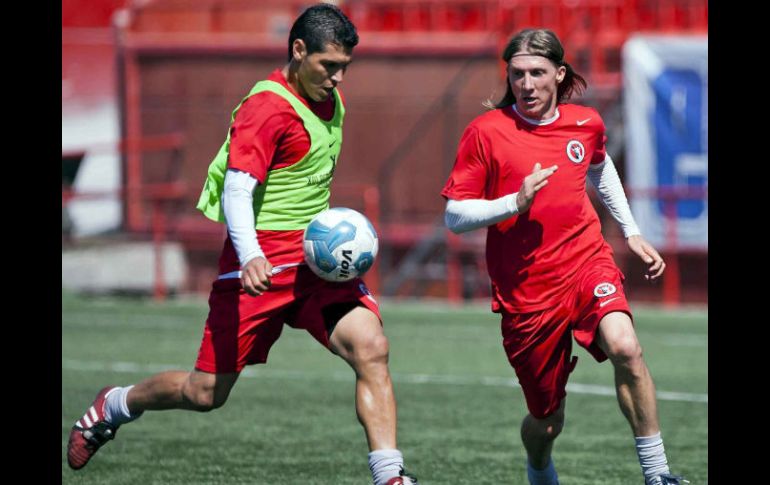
[643, 249]
[531, 185]
[255, 276]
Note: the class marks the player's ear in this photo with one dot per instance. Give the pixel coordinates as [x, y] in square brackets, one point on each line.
[298, 50]
[561, 73]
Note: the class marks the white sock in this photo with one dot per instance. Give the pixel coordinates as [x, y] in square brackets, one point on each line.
[116, 409]
[546, 476]
[385, 464]
[652, 456]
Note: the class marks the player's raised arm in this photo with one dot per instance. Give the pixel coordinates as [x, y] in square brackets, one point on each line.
[532, 185]
[465, 215]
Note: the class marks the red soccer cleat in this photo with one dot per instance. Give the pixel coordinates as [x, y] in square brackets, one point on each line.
[90, 432]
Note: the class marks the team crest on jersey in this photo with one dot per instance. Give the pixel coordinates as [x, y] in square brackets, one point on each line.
[366, 292]
[604, 289]
[576, 151]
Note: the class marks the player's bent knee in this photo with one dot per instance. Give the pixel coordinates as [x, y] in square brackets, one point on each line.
[380, 348]
[373, 349]
[545, 429]
[554, 424]
[551, 431]
[204, 399]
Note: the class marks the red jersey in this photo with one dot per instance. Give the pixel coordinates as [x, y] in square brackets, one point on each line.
[267, 134]
[533, 257]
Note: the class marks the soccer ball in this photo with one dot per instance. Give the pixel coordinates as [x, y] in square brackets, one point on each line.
[340, 244]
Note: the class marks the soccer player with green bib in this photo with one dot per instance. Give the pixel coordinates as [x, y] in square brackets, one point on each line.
[273, 174]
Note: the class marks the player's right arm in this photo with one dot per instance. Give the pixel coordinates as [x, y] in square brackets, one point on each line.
[467, 207]
[237, 204]
[256, 131]
[468, 214]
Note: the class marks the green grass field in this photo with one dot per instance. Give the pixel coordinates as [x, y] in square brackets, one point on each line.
[293, 420]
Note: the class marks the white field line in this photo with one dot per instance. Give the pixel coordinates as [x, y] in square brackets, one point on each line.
[131, 367]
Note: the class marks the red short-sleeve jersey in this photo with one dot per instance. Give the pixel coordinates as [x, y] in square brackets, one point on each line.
[267, 134]
[533, 257]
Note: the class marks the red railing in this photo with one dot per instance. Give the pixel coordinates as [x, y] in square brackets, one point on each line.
[671, 196]
[593, 32]
[136, 193]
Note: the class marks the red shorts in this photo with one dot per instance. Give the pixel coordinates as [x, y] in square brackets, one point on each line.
[539, 344]
[241, 328]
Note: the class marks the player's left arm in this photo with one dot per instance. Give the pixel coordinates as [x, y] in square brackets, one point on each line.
[604, 177]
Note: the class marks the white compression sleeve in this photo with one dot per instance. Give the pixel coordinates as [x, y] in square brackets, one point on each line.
[466, 215]
[604, 177]
[237, 203]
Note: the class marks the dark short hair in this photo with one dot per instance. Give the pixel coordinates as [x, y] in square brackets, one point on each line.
[320, 25]
[541, 42]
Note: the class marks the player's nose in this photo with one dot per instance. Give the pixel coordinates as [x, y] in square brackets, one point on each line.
[527, 82]
[337, 76]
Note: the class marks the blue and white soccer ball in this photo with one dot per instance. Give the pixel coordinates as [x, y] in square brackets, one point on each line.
[340, 244]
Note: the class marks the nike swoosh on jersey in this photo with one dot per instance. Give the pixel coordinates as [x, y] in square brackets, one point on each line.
[583, 122]
[607, 301]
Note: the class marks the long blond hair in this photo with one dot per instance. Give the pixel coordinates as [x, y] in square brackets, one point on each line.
[541, 42]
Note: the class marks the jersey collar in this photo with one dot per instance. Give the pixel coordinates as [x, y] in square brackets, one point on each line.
[537, 122]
